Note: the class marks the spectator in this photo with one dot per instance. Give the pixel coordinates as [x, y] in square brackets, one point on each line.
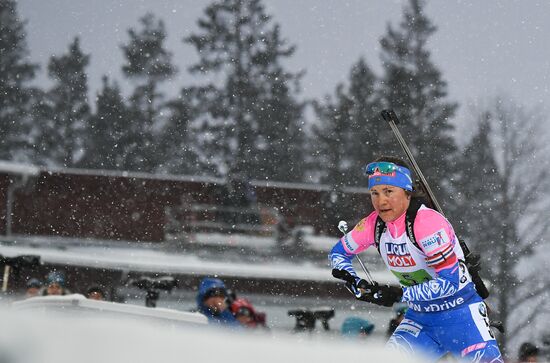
[528, 352]
[245, 313]
[211, 301]
[33, 288]
[400, 311]
[354, 327]
[95, 293]
[55, 284]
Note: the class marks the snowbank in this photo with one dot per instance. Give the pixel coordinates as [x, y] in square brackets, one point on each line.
[148, 260]
[67, 336]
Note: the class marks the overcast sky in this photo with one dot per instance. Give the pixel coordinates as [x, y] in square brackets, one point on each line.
[482, 47]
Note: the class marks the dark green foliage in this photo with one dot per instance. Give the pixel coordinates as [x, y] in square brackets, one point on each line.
[64, 110]
[504, 202]
[349, 132]
[15, 93]
[179, 142]
[251, 115]
[145, 55]
[479, 187]
[521, 150]
[105, 144]
[147, 64]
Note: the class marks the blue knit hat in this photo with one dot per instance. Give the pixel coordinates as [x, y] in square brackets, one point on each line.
[55, 277]
[210, 286]
[388, 173]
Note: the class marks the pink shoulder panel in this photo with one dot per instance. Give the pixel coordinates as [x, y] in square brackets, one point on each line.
[361, 236]
[432, 231]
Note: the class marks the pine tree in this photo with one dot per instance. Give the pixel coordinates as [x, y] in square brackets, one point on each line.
[179, 142]
[148, 64]
[252, 113]
[479, 184]
[106, 130]
[504, 203]
[15, 93]
[64, 111]
[520, 149]
[349, 133]
[413, 86]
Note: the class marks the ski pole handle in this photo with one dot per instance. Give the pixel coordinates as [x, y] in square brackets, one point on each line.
[343, 227]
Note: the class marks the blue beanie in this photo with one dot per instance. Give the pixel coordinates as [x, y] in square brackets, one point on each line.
[388, 173]
[56, 277]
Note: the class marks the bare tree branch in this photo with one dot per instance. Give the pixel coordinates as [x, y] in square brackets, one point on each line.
[518, 214]
[525, 322]
[532, 294]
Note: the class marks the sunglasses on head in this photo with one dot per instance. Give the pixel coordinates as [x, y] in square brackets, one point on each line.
[384, 168]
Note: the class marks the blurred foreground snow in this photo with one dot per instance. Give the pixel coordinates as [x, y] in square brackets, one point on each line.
[86, 334]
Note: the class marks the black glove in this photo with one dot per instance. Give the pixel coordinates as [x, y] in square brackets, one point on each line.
[380, 295]
[344, 275]
[353, 283]
[383, 295]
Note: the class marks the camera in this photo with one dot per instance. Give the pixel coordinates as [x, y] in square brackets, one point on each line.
[19, 263]
[324, 315]
[305, 318]
[15, 265]
[152, 286]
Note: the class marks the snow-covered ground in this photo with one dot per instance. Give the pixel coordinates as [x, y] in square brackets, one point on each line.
[127, 256]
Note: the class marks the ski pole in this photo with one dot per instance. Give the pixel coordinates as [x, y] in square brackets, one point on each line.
[343, 227]
[472, 260]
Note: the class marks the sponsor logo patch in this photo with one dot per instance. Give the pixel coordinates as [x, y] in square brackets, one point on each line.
[410, 327]
[482, 310]
[377, 173]
[435, 307]
[472, 348]
[398, 255]
[434, 241]
[349, 242]
[360, 227]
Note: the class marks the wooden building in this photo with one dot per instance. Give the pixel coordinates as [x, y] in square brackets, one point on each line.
[127, 206]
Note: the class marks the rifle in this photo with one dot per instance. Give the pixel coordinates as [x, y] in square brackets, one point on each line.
[472, 260]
